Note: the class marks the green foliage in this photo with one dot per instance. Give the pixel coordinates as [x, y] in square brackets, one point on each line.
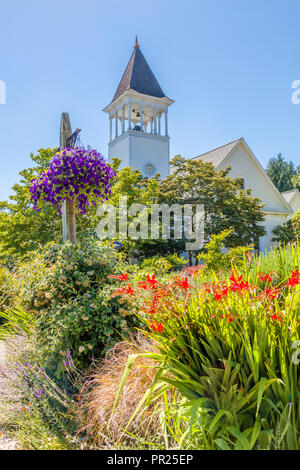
[281, 172]
[16, 321]
[278, 260]
[68, 291]
[226, 206]
[216, 258]
[21, 228]
[284, 234]
[288, 232]
[296, 224]
[296, 179]
[229, 348]
[6, 296]
[36, 411]
[163, 264]
[138, 190]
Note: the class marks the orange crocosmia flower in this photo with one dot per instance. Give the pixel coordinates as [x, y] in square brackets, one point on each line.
[23, 409]
[123, 277]
[152, 281]
[156, 326]
[265, 277]
[184, 283]
[271, 293]
[129, 291]
[294, 280]
[276, 317]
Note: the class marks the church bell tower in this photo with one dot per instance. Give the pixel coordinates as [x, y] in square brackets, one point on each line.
[138, 117]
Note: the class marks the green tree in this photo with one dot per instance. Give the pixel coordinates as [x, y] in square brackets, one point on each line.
[288, 232]
[296, 179]
[281, 172]
[23, 229]
[284, 234]
[138, 190]
[226, 206]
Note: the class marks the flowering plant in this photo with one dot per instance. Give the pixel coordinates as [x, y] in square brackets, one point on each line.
[221, 299]
[230, 347]
[81, 176]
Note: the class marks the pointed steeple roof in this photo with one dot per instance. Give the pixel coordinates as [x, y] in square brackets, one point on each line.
[139, 77]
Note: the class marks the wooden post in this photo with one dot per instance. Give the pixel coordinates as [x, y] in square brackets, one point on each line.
[68, 207]
[70, 221]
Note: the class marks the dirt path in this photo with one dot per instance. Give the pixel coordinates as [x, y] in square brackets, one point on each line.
[5, 442]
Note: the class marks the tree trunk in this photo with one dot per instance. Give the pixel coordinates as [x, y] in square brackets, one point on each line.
[69, 229]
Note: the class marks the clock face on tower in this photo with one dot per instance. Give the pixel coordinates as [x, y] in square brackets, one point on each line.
[149, 169]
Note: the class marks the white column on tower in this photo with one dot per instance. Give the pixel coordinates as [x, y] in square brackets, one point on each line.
[123, 119]
[155, 121]
[116, 123]
[142, 116]
[110, 127]
[129, 116]
[159, 122]
[166, 123]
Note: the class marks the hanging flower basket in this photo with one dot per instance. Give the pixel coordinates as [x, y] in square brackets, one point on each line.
[77, 175]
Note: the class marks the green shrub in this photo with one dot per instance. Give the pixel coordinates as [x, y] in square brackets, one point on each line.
[217, 259]
[6, 293]
[161, 265]
[68, 290]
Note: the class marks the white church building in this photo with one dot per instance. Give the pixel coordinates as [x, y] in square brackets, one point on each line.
[139, 137]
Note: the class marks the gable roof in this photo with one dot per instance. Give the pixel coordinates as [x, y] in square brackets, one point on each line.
[217, 155]
[289, 195]
[222, 155]
[139, 77]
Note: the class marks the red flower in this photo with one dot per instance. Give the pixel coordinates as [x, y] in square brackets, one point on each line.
[156, 326]
[229, 318]
[120, 291]
[237, 284]
[143, 285]
[265, 277]
[218, 296]
[294, 279]
[271, 293]
[129, 291]
[276, 317]
[123, 277]
[184, 283]
[152, 281]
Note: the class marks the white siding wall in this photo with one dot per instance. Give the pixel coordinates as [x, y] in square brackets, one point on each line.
[136, 148]
[243, 165]
[271, 221]
[295, 203]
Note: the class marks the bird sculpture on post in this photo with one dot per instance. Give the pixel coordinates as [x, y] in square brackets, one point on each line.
[67, 139]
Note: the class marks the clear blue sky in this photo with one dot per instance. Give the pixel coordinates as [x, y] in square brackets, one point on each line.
[228, 64]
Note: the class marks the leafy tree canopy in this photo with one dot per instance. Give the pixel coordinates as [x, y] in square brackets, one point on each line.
[288, 232]
[21, 228]
[226, 205]
[281, 172]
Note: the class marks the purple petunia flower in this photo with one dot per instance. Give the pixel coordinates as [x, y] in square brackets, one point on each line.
[81, 176]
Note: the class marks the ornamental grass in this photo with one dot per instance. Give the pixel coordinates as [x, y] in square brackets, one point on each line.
[105, 429]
